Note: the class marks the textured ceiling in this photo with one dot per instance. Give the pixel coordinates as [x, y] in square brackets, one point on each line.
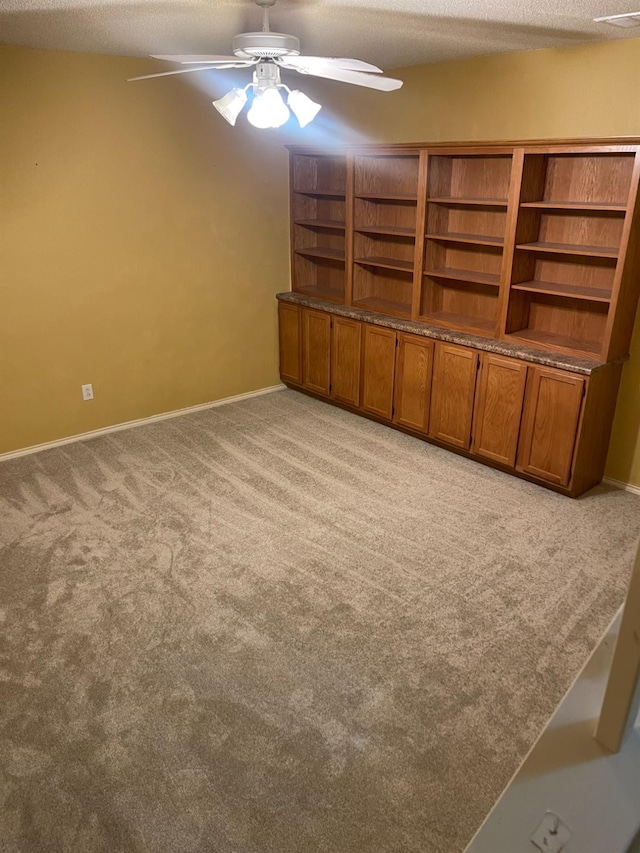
[391, 33]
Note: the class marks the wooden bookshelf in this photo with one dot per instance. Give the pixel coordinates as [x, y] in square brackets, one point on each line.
[573, 220]
[385, 209]
[529, 253]
[319, 224]
[537, 243]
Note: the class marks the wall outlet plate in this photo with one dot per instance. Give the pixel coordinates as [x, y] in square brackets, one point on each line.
[87, 392]
[552, 834]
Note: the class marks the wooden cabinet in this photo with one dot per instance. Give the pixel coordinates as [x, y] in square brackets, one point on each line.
[378, 370]
[548, 424]
[330, 351]
[553, 402]
[413, 382]
[535, 245]
[346, 337]
[452, 394]
[289, 320]
[316, 351]
[498, 408]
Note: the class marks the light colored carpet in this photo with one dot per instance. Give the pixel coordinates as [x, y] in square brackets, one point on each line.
[274, 626]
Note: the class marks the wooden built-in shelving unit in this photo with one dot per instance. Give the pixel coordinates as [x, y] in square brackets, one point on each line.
[479, 296]
[528, 243]
[385, 199]
[318, 225]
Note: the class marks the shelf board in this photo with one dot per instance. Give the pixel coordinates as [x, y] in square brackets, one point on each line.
[330, 294]
[575, 291]
[475, 239]
[482, 202]
[386, 263]
[321, 193]
[571, 249]
[460, 321]
[575, 205]
[389, 230]
[465, 275]
[403, 198]
[321, 224]
[592, 349]
[322, 253]
[383, 306]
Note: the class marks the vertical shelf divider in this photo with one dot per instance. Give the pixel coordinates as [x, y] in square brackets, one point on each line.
[621, 317]
[349, 230]
[513, 208]
[421, 230]
[292, 242]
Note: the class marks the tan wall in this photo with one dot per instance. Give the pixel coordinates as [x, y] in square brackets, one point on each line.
[142, 240]
[573, 92]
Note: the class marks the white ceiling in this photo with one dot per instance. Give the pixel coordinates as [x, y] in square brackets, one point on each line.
[390, 33]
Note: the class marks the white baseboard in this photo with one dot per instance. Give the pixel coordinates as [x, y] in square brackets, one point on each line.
[619, 485]
[37, 448]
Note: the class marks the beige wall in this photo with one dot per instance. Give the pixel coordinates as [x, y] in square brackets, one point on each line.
[573, 92]
[142, 240]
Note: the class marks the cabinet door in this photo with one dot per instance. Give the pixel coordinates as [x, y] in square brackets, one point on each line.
[316, 350]
[290, 343]
[378, 370]
[498, 408]
[413, 382]
[452, 392]
[346, 336]
[552, 407]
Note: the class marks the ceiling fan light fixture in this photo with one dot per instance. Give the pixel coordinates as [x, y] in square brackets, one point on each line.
[230, 105]
[268, 109]
[268, 52]
[303, 108]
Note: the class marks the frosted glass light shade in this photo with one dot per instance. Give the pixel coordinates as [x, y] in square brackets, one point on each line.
[268, 109]
[231, 104]
[303, 108]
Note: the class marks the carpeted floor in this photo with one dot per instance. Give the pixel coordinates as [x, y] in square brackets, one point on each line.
[274, 626]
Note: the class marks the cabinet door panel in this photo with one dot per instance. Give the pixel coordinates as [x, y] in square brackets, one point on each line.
[290, 343]
[316, 350]
[378, 370]
[498, 408]
[452, 393]
[346, 348]
[552, 407]
[413, 381]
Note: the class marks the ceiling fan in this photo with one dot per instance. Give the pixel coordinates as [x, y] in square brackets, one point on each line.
[267, 52]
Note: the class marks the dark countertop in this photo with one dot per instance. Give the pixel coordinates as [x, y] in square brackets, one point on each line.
[548, 358]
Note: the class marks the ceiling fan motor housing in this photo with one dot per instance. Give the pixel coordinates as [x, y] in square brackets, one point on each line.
[265, 45]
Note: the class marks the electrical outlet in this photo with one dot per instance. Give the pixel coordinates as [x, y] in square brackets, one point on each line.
[87, 392]
[552, 834]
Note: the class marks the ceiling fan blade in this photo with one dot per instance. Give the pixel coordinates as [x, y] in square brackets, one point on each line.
[329, 62]
[343, 75]
[193, 59]
[180, 71]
